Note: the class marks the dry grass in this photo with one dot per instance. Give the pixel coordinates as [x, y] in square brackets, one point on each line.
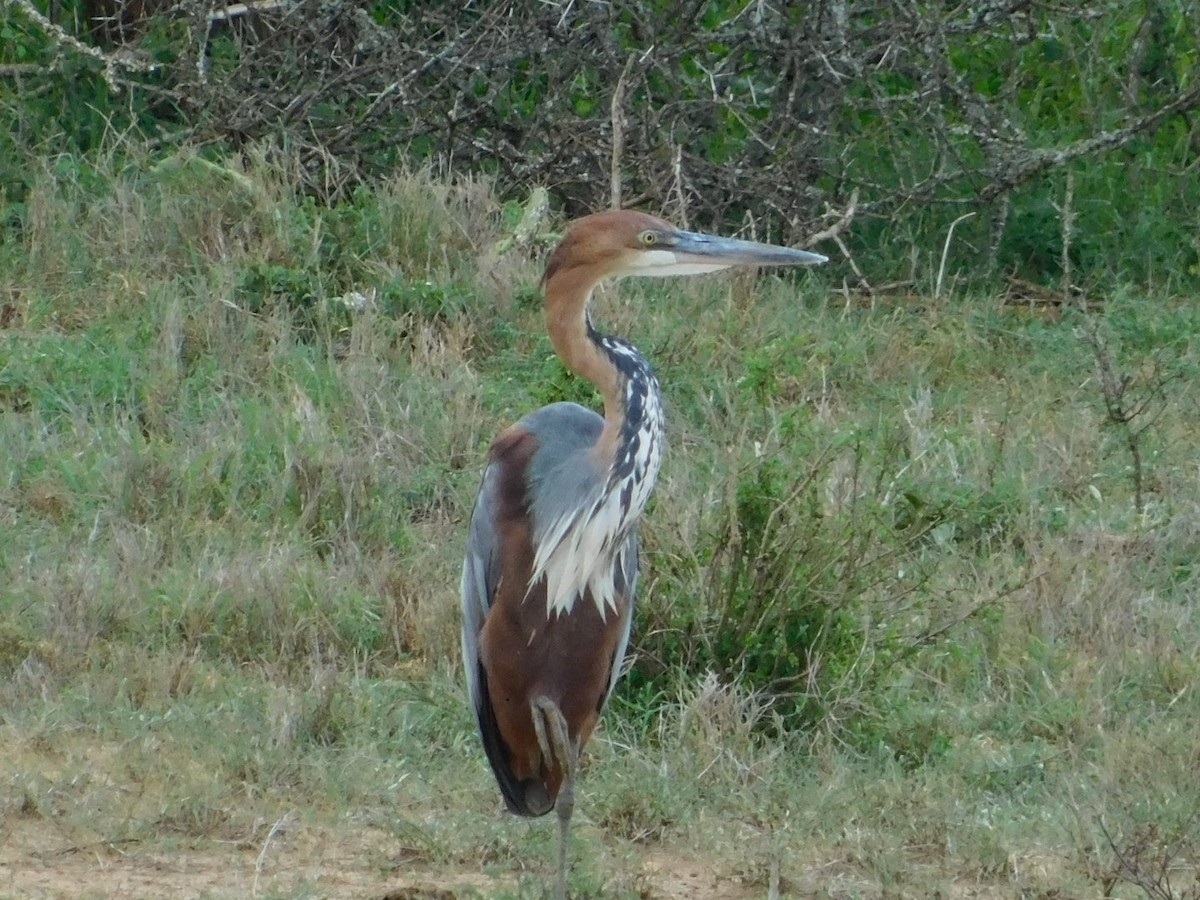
[232, 509]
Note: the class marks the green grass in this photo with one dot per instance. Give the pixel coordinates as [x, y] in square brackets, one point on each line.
[903, 629]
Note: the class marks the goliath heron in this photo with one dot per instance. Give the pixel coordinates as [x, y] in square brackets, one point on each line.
[551, 562]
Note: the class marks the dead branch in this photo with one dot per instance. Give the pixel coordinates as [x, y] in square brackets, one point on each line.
[843, 222]
[753, 115]
[112, 64]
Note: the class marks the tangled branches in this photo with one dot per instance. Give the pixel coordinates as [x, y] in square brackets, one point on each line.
[693, 108]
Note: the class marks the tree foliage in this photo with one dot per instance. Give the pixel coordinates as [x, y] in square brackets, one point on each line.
[870, 126]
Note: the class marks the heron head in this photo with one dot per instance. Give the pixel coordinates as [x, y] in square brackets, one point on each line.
[627, 242]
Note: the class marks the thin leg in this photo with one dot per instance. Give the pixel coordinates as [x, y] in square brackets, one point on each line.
[564, 806]
[557, 745]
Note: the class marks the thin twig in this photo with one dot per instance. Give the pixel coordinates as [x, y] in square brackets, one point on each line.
[16, 70]
[863, 283]
[110, 844]
[617, 110]
[839, 226]
[121, 59]
[233, 10]
[260, 863]
[1068, 225]
[937, 289]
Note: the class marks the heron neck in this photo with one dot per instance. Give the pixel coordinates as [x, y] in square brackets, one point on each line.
[583, 351]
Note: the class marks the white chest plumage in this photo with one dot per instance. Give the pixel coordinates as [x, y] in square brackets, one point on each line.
[580, 552]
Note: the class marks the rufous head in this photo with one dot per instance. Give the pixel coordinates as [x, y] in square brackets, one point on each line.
[623, 242]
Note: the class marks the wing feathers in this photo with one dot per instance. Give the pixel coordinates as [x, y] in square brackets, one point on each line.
[514, 649]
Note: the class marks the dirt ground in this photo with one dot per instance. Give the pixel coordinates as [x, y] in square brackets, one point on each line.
[37, 862]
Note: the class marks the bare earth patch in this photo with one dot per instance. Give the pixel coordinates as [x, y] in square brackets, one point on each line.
[37, 861]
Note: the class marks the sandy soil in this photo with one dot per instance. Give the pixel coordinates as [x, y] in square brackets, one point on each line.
[37, 862]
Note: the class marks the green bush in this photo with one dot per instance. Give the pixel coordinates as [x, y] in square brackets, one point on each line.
[731, 120]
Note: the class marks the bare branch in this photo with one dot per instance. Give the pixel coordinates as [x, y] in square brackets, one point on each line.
[810, 129]
[122, 60]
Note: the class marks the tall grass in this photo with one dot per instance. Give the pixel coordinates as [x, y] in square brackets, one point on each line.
[904, 626]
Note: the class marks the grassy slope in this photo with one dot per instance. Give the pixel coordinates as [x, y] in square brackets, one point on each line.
[232, 513]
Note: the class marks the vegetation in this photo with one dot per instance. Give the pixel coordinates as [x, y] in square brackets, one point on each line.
[905, 624]
[919, 613]
[1061, 138]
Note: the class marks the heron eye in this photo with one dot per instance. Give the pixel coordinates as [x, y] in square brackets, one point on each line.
[648, 238]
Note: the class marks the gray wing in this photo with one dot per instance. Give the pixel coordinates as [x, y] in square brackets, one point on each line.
[563, 479]
[481, 572]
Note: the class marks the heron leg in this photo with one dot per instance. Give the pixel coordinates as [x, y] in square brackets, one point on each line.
[557, 745]
[564, 806]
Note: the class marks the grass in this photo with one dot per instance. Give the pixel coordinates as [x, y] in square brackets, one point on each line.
[904, 630]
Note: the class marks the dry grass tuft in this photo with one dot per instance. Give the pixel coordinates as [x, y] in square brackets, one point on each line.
[720, 725]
